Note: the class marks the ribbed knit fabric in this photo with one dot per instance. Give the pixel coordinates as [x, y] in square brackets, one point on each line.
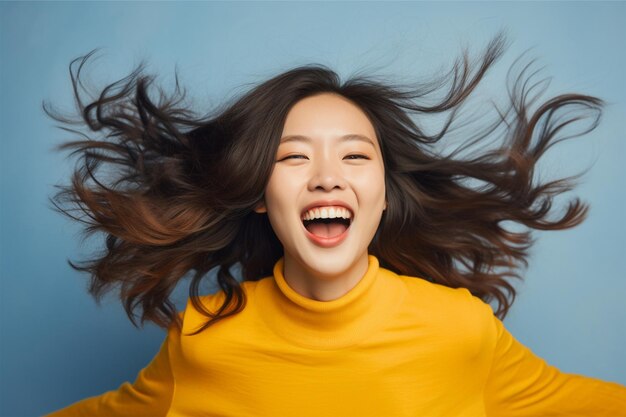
[392, 346]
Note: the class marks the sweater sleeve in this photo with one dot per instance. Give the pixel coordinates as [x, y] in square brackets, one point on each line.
[522, 384]
[150, 394]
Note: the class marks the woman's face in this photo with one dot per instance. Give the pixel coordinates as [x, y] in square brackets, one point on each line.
[329, 157]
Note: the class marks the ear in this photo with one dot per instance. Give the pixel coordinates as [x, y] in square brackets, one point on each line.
[260, 208]
[385, 208]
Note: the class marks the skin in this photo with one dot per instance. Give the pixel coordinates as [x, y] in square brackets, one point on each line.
[325, 168]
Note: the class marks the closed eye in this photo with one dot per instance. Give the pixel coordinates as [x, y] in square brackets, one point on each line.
[353, 156]
[293, 156]
[357, 156]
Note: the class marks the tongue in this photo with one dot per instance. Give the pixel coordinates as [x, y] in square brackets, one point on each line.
[326, 229]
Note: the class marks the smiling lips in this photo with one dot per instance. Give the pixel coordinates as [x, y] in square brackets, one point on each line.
[327, 226]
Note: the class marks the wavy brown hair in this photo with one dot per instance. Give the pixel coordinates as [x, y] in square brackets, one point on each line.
[182, 187]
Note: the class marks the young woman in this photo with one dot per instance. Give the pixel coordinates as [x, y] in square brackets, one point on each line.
[368, 254]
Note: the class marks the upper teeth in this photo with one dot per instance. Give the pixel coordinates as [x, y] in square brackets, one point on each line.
[330, 212]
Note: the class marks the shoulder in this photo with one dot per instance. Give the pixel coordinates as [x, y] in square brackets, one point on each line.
[455, 299]
[447, 307]
[192, 316]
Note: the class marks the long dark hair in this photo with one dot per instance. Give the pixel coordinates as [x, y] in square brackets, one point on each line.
[182, 188]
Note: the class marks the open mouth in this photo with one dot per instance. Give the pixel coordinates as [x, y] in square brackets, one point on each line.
[327, 228]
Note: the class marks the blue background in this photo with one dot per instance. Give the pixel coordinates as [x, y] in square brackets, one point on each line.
[58, 346]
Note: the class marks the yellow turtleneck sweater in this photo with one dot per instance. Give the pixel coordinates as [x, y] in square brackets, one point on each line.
[392, 346]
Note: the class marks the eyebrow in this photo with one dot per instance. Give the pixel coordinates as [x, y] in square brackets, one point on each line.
[301, 138]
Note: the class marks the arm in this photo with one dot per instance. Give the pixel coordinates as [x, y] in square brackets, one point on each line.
[522, 384]
[149, 395]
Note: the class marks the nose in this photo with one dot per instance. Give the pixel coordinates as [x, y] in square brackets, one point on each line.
[326, 175]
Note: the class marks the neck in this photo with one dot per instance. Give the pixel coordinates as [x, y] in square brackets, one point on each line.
[331, 324]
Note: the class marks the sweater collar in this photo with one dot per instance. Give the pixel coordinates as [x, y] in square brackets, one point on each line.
[333, 324]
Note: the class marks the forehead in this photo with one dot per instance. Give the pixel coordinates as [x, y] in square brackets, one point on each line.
[329, 116]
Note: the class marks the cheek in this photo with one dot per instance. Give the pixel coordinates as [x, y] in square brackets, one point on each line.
[371, 184]
[280, 192]
[272, 201]
[275, 205]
